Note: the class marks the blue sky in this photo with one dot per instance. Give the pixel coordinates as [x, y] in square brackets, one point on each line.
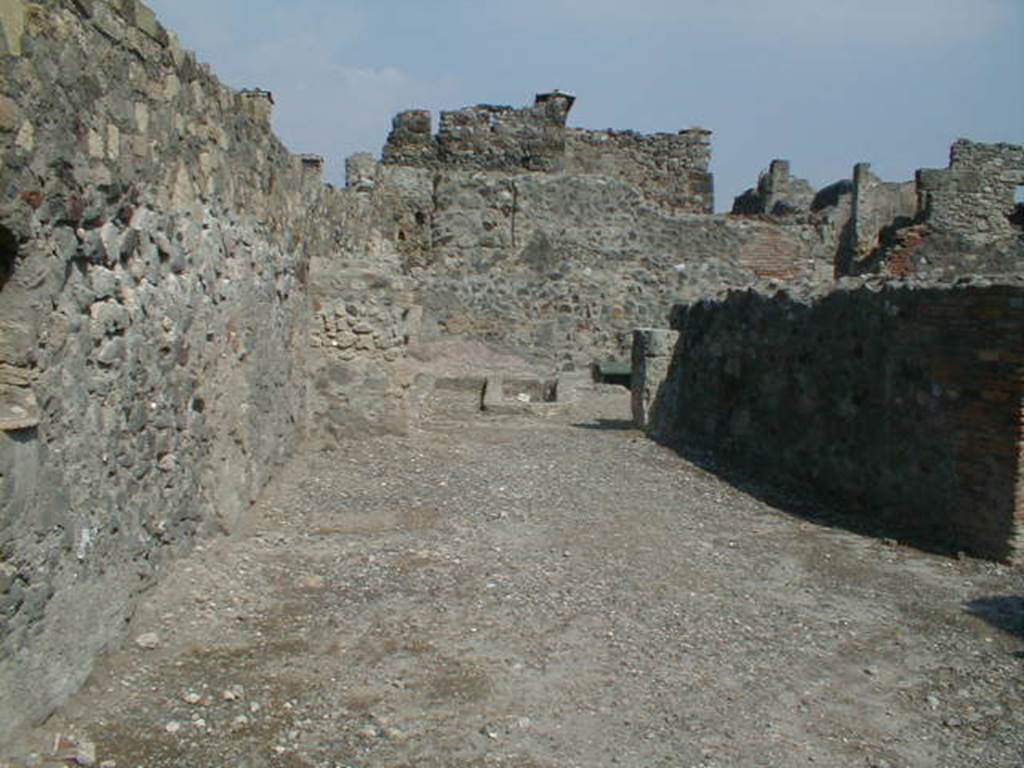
[823, 83]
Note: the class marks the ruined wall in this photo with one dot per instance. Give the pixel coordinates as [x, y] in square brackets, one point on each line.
[569, 265]
[974, 197]
[156, 244]
[653, 349]
[670, 169]
[364, 311]
[778, 193]
[878, 208]
[484, 137]
[903, 405]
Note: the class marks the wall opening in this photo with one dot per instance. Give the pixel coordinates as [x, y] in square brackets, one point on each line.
[1017, 217]
[612, 372]
[8, 255]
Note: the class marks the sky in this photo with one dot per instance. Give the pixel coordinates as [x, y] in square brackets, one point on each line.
[822, 83]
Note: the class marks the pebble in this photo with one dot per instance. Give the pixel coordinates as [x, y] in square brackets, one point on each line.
[233, 694]
[173, 727]
[148, 642]
[193, 698]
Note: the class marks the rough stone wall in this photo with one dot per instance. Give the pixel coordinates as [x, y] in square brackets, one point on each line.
[570, 265]
[484, 137]
[156, 244]
[652, 357]
[877, 206]
[974, 198]
[777, 193]
[902, 404]
[670, 169]
[363, 309]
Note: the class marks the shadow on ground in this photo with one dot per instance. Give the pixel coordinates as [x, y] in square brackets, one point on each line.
[1004, 612]
[812, 505]
[608, 425]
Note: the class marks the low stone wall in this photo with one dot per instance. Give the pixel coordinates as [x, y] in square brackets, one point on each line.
[902, 405]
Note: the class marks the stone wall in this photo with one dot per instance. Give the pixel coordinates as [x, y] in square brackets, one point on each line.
[778, 193]
[569, 265]
[879, 207]
[484, 137]
[363, 310]
[902, 405]
[156, 242]
[653, 349]
[565, 263]
[974, 198]
[670, 169]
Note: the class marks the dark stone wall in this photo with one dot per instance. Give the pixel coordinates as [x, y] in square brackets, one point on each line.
[902, 405]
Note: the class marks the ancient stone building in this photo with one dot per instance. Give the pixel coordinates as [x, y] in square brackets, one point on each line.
[183, 301]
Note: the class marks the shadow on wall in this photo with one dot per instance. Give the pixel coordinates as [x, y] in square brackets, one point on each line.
[1004, 612]
[790, 496]
[8, 255]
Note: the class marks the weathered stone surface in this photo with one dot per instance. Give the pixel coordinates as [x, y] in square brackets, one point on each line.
[182, 301]
[154, 310]
[652, 354]
[12, 26]
[778, 193]
[900, 404]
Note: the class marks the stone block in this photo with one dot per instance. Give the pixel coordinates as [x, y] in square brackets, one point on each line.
[12, 26]
[652, 355]
[10, 115]
[18, 408]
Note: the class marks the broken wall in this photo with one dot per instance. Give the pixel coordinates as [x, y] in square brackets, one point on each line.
[878, 208]
[974, 198]
[902, 406]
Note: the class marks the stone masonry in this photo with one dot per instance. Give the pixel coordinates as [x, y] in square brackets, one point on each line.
[156, 323]
[653, 349]
[183, 302]
[901, 405]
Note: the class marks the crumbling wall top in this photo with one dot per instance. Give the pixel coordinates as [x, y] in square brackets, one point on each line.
[974, 198]
[671, 167]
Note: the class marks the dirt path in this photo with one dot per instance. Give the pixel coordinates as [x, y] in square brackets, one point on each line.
[526, 592]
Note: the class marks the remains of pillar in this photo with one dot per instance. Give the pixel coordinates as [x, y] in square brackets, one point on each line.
[652, 355]
[361, 172]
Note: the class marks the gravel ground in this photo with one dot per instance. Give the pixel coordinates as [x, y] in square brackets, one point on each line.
[534, 591]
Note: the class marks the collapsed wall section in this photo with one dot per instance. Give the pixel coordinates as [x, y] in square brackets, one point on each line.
[153, 318]
[903, 406]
